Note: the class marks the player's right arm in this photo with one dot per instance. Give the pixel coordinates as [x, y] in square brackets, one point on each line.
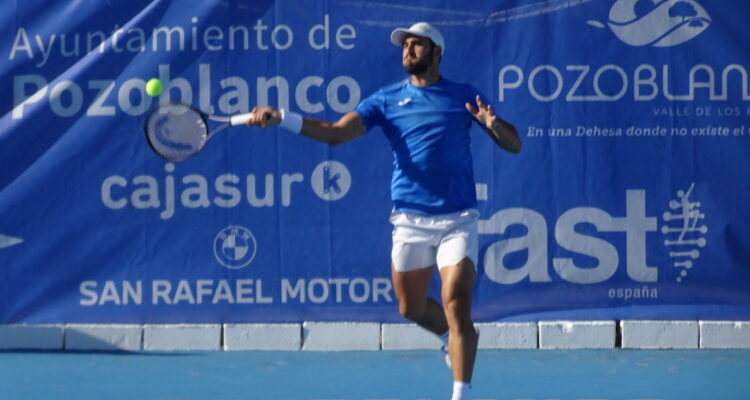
[346, 129]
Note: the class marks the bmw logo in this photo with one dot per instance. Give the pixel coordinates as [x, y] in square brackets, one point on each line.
[235, 247]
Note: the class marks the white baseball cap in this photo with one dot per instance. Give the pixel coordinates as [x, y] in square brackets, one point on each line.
[422, 29]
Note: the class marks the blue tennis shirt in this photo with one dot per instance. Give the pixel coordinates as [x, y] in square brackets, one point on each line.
[428, 128]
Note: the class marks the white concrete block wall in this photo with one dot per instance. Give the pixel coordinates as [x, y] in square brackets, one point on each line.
[659, 334]
[724, 335]
[31, 337]
[508, 335]
[340, 336]
[492, 336]
[103, 337]
[326, 336]
[408, 337]
[184, 337]
[577, 334]
[262, 336]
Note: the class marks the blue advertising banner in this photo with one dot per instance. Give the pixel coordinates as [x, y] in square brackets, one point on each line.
[628, 199]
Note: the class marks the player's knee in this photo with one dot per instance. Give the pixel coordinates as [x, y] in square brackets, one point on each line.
[410, 311]
[454, 307]
[458, 311]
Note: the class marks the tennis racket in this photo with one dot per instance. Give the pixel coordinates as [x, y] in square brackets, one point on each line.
[177, 131]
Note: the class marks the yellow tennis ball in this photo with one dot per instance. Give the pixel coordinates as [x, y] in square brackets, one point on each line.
[154, 87]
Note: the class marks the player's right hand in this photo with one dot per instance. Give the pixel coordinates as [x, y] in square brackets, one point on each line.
[265, 117]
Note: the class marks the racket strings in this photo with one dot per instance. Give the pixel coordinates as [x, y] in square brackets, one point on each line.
[176, 131]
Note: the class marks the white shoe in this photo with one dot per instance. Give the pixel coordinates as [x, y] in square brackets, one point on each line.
[444, 349]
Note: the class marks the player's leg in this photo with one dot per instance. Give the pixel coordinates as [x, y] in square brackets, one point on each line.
[412, 264]
[458, 283]
[456, 255]
[412, 288]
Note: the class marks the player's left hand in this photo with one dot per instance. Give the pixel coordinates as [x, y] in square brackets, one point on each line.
[484, 114]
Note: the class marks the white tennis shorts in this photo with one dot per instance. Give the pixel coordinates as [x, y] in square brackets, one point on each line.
[421, 241]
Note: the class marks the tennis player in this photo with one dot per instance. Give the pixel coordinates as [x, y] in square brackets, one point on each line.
[426, 118]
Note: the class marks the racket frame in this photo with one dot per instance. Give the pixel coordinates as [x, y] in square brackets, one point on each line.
[239, 119]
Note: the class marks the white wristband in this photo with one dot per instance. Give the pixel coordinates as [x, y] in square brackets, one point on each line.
[291, 121]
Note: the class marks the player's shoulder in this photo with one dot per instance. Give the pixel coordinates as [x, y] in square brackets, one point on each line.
[387, 91]
[464, 91]
[395, 87]
[460, 87]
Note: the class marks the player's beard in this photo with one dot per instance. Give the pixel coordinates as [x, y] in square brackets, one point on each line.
[419, 67]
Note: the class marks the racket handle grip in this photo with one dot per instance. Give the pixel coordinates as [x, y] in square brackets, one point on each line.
[244, 119]
[240, 119]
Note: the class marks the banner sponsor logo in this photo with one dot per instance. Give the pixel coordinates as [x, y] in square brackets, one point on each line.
[684, 228]
[643, 83]
[206, 291]
[235, 247]
[329, 180]
[68, 98]
[594, 259]
[657, 23]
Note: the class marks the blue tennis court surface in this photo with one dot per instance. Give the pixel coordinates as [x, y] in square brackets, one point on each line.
[501, 375]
